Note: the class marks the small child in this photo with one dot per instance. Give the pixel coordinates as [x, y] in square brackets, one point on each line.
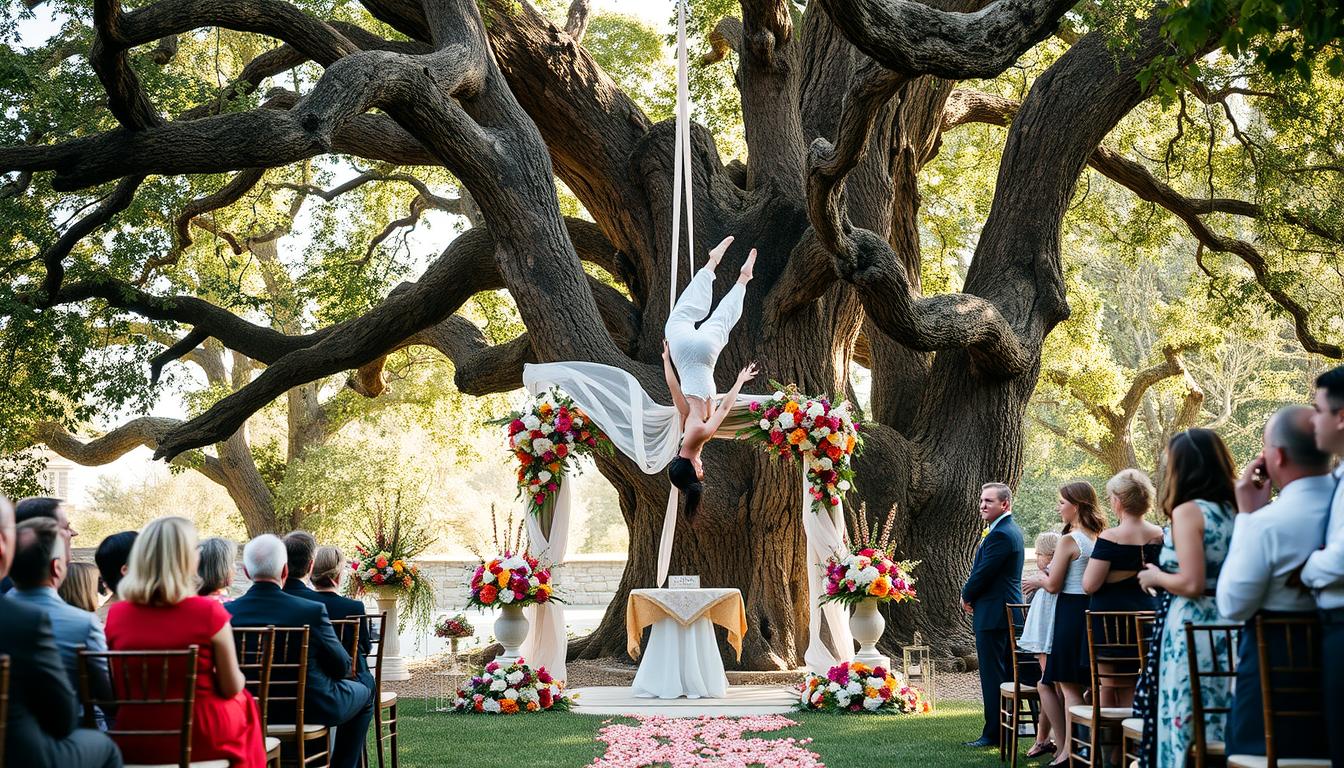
[1040, 625]
[1037, 633]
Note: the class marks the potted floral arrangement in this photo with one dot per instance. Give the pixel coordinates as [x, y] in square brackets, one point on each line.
[510, 687]
[454, 629]
[510, 581]
[857, 687]
[823, 435]
[863, 576]
[384, 567]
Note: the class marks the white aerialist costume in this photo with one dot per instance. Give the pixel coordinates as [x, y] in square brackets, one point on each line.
[695, 351]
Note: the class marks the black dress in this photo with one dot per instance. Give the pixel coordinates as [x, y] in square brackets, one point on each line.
[1068, 660]
[1126, 594]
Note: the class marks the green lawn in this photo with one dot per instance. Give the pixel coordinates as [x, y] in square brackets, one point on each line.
[431, 740]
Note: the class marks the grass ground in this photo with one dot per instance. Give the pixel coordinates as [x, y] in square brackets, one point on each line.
[565, 740]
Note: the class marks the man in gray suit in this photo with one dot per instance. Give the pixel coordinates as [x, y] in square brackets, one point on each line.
[43, 711]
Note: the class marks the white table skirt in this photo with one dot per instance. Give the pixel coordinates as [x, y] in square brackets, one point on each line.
[681, 661]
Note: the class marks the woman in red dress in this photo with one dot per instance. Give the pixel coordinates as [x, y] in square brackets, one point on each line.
[161, 611]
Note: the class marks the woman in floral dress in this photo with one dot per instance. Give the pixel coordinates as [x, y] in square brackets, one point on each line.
[1201, 505]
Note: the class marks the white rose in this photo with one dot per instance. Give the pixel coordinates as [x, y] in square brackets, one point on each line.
[542, 445]
[511, 693]
[816, 410]
[871, 704]
[512, 563]
[543, 475]
[854, 688]
[867, 575]
[765, 424]
[577, 422]
[876, 682]
[825, 463]
[490, 705]
[527, 694]
[842, 699]
[843, 485]
[498, 685]
[833, 687]
[531, 421]
[514, 678]
[786, 420]
[506, 596]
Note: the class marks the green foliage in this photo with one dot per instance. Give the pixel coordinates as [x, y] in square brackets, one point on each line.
[122, 506]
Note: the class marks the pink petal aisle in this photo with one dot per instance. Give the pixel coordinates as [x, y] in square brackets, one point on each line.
[701, 742]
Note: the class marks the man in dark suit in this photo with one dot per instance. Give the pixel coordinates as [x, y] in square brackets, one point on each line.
[301, 547]
[332, 699]
[43, 711]
[995, 581]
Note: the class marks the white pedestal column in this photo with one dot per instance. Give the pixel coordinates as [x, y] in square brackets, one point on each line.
[394, 666]
[866, 624]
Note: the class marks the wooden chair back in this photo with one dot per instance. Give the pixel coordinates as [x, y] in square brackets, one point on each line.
[1113, 640]
[377, 625]
[1290, 686]
[287, 686]
[1212, 652]
[255, 647]
[1026, 667]
[162, 680]
[347, 630]
[1146, 624]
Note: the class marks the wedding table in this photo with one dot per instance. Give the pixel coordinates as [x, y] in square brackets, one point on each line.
[683, 657]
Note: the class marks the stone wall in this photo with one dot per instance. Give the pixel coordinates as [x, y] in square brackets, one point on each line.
[583, 580]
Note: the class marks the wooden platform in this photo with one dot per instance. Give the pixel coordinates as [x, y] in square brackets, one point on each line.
[741, 700]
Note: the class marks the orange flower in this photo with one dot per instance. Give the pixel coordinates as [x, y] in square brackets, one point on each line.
[797, 436]
[545, 409]
[880, 587]
[504, 578]
[791, 407]
[508, 707]
[849, 444]
[860, 668]
[531, 706]
[835, 438]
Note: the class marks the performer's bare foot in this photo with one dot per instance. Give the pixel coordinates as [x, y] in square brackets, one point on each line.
[716, 255]
[745, 276]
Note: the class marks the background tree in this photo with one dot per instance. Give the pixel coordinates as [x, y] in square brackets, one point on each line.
[844, 107]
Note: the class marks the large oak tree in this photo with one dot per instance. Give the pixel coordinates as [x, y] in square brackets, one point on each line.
[843, 103]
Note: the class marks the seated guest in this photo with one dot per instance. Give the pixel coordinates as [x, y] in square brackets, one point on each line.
[41, 728]
[1324, 570]
[38, 570]
[42, 506]
[1121, 552]
[215, 572]
[332, 699]
[329, 565]
[111, 557]
[1269, 541]
[161, 611]
[80, 587]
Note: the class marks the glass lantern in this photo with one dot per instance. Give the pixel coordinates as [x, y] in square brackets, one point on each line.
[446, 675]
[919, 668]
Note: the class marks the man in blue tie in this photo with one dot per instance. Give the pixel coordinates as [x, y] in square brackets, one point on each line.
[1324, 570]
[995, 581]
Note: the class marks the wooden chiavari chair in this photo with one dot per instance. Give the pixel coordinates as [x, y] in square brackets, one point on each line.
[385, 711]
[302, 744]
[1112, 640]
[255, 646]
[1016, 697]
[1290, 688]
[1211, 650]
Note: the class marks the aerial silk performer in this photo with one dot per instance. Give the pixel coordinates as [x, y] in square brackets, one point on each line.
[658, 437]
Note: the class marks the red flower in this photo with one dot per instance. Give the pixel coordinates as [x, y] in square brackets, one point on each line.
[544, 698]
[540, 498]
[488, 594]
[516, 426]
[544, 677]
[378, 578]
[562, 450]
[519, 594]
[542, 596]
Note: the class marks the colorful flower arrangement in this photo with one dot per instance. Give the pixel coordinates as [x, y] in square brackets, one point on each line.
[385, 548]
[865, 573]
[544, 438]
[510, 689]
[823, 435]
[511, 579]
[869, 569]
[856, 687]
[454, 627]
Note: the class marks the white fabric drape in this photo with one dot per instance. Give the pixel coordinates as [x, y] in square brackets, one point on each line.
[547, 644]
[825, 535]
[681, 163]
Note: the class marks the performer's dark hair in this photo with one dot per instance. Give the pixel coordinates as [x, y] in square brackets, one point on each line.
[682, 473]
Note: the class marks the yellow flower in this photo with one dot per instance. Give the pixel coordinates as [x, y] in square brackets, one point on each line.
[504, 578]
[870, 692]
[791, 407]
[398, 566]
[985, 532]
[860, 668]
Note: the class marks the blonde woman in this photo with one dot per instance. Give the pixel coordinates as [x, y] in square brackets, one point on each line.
[80, 587]
[160, 610]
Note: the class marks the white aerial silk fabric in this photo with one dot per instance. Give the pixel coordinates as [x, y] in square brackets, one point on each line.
[547, 644]
[650, 434]
[695, 351]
